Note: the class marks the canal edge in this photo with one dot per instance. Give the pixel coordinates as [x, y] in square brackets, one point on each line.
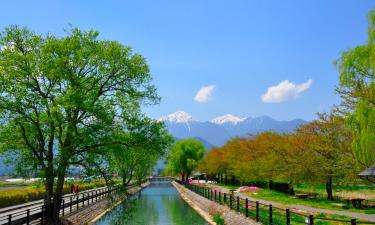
[206, 216]
[142, 186]
[88, 216]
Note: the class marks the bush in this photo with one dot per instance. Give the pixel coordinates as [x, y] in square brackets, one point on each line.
[14, 197]
[218, 220]
[281, 187]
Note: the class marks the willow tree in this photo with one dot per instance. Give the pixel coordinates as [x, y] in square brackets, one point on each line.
[63, 96]
[357, 87]
[184, 157]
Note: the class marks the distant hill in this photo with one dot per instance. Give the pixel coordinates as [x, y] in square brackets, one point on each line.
[219, 130]
[5, 169]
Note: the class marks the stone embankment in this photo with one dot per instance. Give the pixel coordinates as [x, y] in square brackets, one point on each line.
[90, 214]
[207, 208]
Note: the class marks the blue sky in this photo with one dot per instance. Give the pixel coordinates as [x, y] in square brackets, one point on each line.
[239, 48]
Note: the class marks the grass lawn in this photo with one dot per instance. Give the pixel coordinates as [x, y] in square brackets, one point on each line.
[286, 199]
[279, 215]
[347, 191]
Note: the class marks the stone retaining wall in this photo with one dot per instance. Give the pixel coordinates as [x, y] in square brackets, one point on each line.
[206, 208]
[90, 214]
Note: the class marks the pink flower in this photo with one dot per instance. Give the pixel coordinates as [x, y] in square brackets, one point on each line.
[251, 188]
[295, 210]
[216, 189]
[248, 206]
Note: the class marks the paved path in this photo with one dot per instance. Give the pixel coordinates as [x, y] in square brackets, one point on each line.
[368, 217]
[35, 207]
[206, 207]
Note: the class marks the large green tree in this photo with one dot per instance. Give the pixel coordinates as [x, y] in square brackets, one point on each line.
[151, 140]
[184, 157]
[63, 96]
[357, 87]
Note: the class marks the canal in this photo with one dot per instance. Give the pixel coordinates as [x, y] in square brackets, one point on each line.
[158, 204]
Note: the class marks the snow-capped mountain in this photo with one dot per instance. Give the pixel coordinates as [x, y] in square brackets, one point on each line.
[219, 130]
[229, 118]
[177, 117]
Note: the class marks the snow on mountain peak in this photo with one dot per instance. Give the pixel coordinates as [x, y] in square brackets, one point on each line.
[177, 117]
[229, 118]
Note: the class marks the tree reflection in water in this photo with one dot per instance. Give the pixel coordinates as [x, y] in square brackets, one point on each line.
[158, 204]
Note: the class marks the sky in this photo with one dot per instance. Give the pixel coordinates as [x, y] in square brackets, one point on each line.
[212, 57]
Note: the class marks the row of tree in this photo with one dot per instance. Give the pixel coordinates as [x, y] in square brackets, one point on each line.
[317, 153]
[330, 149]
[75, 101]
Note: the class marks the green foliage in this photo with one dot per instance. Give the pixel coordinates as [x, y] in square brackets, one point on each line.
[138, 161]
[184, 157]
[357, 88]
[218, 220]
[63, 98]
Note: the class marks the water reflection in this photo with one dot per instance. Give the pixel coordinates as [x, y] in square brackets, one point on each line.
[158, 204]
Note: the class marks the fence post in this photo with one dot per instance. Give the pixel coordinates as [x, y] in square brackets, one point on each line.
[63, 207]
[71, 204]
[287, 217]
[83, 199]
[42, 217]
[77, 201]
[257, 211]
[247, 208]
[238, 203]
[353, 221]
[230, 201]
[10, 219]
[225, 198]
[311, 220]
[215, 195]
[270, 214]
[28, 217]
[220, 197]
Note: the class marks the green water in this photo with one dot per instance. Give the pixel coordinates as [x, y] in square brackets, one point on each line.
[158, 204]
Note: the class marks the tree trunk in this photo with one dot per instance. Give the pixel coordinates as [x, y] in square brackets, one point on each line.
[123, 181]
[329, 188]
[183, 177]
[48, 198]
[53, 212]
[187, 177]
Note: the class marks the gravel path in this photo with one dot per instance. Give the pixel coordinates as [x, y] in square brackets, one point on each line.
[205, 207]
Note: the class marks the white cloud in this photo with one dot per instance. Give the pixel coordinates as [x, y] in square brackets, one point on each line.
[204, 93]
[285, 90]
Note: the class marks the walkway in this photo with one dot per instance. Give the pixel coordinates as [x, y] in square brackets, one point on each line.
[206, 208]
[368, 217]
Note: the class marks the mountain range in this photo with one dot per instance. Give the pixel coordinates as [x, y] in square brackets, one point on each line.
[219, 130]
